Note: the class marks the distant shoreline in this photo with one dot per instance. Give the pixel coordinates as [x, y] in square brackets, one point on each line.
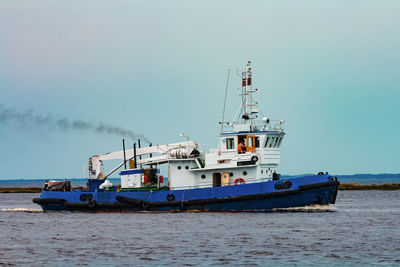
[355, 186]
[343, 186]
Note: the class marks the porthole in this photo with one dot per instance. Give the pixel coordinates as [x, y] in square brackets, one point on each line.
[187, 167]
[179, 167]
[262, 171]
[231, 174]
[244, 173]
[203, 176]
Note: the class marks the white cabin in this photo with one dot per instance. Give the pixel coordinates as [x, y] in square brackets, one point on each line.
[228, 164]
[257, 164]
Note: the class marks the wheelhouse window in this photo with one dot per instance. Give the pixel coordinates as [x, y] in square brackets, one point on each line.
[257, 141]
[266, 142]
[280, 141]
[230, 143]
[272, 141]
[277, 141]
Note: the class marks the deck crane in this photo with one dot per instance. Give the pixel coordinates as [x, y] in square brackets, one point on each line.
[167, 152]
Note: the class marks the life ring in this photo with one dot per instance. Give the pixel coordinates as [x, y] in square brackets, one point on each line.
[241, 180]
[91, 203]
[254, 159]
[170, 197]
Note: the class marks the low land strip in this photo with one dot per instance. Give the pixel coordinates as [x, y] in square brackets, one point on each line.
[354, 186]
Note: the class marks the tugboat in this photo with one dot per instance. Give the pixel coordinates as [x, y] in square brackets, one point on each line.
[240, 175]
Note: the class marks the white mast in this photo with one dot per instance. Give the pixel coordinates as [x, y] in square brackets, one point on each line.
[248, 112]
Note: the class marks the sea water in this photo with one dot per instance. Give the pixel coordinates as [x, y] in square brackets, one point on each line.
[362, 228]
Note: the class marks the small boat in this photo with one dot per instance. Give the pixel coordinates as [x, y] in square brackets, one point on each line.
[240, 175]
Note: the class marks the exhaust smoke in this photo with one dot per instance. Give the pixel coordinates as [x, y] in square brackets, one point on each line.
[29, 119]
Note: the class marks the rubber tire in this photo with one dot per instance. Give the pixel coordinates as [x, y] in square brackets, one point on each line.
[92, 203]
[182, 208]
[254, 159]
[170, 197]
[146, 205]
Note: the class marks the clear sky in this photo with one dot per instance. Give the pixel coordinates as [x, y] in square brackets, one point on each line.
[330, 69]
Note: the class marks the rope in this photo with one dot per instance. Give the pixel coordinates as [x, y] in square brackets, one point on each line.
[147, 200]
[183, 197]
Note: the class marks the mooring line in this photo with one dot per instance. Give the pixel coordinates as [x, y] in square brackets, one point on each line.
[183, 195]
[151, 191]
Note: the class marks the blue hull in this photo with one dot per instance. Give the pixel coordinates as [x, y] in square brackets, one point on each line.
[264, 196]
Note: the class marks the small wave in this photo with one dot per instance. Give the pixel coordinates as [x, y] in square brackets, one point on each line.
[311, 208]
[30, 210]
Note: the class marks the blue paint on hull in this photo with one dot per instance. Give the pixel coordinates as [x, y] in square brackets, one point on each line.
[319, 189]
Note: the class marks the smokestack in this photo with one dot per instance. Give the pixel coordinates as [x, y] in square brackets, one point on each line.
[123, 146]
[134, 154]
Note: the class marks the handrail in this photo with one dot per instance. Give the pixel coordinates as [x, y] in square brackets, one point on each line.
[248, 181]
[259, 125]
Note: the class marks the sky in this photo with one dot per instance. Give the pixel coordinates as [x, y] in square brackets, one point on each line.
[330, 69]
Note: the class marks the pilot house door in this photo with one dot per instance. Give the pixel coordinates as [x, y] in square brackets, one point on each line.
[250, 143]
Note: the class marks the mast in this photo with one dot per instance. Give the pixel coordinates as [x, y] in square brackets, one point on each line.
[247, 95]
[247, 113]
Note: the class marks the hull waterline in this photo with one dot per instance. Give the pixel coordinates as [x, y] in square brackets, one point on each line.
[307, 194]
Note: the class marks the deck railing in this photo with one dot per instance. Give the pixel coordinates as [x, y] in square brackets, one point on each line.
[207, 185]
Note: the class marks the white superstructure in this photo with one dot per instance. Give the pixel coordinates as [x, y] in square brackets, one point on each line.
[248, 151]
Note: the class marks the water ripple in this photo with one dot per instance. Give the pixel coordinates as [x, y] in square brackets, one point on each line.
[361, 229]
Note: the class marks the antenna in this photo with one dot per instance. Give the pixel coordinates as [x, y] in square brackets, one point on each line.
[246, 94]
[226, 92]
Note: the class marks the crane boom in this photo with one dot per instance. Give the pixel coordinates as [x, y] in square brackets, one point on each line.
[167, 151]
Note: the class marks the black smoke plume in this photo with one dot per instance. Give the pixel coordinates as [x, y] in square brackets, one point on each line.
[29, 119]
